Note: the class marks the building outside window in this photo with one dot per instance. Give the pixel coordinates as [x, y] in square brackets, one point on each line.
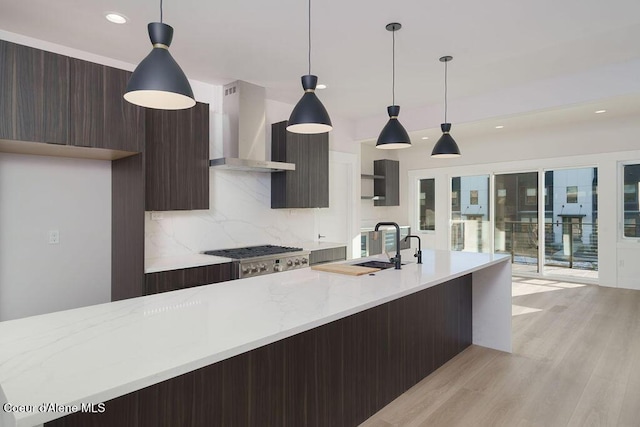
[572, 194]
[531, 197]
[473, 197]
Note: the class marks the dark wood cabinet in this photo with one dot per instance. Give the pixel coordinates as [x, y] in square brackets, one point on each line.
[124, 122]
[171, 280]
[52, 98]
[86, 104]
[386, 185]
[308, 185]
[127, 227]
[34, 104]
[99, 115]
[177, 159]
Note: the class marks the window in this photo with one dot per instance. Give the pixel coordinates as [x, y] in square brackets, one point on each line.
[630, 200]
[572, 194]
[427, 205]
[473, 197]
[531, 197]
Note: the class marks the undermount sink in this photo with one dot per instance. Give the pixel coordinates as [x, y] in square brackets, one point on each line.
[376, 264]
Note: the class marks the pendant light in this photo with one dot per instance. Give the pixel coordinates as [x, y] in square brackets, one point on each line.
[309, 115]
[158, 81]
[446, 147]
[393, 134]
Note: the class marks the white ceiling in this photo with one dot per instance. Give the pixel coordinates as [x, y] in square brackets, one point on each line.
[496, 44]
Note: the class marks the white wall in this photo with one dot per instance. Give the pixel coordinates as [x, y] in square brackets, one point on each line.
[601, 144]
[39, 194]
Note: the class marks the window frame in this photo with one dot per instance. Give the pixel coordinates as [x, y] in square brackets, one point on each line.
[622, 201]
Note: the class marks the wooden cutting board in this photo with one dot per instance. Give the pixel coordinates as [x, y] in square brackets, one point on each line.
[351, 270]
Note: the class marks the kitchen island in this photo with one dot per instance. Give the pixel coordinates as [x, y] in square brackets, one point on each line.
[296, 348]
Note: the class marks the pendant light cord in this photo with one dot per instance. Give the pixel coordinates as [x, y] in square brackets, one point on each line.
[161, 21]
[309, 36]
[445, 91]
[393, 70]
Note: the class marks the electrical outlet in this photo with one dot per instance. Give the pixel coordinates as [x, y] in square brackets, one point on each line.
[54, 237]
[155, 216]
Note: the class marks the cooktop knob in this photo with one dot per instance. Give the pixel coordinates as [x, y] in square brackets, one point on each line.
[254, 268]
[289, 262]
[245, 270]
[277, 267]
[297, 262]
[262, 267]
[304, 260]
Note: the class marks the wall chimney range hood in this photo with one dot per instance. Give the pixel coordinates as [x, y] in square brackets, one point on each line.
[244, 141]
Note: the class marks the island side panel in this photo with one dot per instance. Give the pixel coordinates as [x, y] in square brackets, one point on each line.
[492, 307]
[338, 374]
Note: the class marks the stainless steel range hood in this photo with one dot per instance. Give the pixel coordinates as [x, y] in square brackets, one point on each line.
[244, 141]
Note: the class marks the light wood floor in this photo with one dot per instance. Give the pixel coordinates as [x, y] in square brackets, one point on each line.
[575, 362]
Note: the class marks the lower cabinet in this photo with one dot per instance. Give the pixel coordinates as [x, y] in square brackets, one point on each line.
[320, 256]
[172, 280]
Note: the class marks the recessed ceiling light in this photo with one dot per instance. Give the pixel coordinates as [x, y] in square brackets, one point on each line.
[601, 111]
[321, 86]
[425, 137]
[116, 18]
[499, 127]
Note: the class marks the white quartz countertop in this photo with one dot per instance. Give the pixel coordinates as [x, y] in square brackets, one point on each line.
[96, 353]
[154, 265]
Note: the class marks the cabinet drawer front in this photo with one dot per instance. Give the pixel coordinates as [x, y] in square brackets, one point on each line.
[172, 280]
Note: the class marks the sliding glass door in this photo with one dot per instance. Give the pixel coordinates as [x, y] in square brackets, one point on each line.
[545, 220]
[571, 222]
[516, 219]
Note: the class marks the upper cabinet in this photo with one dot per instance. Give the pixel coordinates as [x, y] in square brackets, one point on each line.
[308, 185]
[177, 159]
[387, 187]
[124, 122]
[56, 99]
[34, 104]
[99, 115]
[86, 104]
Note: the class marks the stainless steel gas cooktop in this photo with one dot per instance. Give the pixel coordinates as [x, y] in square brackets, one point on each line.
[263, 259]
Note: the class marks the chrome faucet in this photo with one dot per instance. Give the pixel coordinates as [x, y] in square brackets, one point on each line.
[418, 253]
[397, 258]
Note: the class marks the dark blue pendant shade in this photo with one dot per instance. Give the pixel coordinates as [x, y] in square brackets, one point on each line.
[393, 134]
[446, 146]
[158, 81]
[309, 115]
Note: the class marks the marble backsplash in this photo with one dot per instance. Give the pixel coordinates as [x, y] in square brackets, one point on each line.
[240, 214]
